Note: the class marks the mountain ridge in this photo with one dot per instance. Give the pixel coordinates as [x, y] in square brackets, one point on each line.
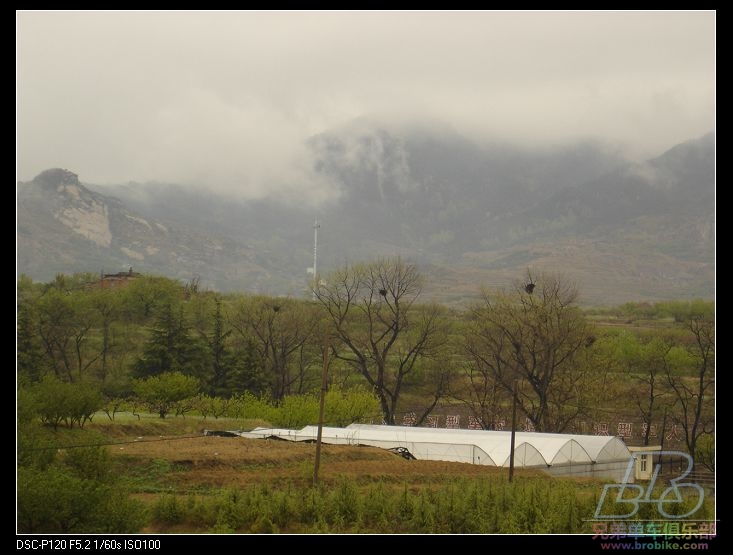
[468, 215]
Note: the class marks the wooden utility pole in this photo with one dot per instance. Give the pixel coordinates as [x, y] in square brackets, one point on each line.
[514, 431]
[321, 409]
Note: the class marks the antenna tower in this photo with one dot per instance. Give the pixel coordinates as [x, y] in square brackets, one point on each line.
[315, 257]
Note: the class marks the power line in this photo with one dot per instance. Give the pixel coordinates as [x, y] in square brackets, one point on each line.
[81, 446]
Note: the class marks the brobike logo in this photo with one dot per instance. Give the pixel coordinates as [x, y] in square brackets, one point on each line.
[670, 496]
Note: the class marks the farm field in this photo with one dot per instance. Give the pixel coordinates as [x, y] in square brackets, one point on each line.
[189, 482]
[171, 478]
[204, 461]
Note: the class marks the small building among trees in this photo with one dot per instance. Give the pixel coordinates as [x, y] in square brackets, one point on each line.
[115, 281]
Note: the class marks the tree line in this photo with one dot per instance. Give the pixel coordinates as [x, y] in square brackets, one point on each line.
[529, 344]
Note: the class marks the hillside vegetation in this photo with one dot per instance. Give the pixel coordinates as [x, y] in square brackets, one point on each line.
[117, 383]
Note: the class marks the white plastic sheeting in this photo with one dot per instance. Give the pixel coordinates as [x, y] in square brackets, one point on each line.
[531, 449]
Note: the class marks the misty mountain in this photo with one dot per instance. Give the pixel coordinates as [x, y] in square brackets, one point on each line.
[677, 188]
[65, 227]
[470, 214]
[444, 194]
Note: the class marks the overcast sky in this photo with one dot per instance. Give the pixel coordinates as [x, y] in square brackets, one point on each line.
[226, 99]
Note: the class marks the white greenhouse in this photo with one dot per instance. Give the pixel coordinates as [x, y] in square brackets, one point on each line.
[558, 454]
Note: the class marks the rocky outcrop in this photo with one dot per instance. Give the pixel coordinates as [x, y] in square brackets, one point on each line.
[75, 206]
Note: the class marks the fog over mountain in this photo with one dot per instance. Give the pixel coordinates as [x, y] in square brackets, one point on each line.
[470, 214]
[478, 143]
[227, 100]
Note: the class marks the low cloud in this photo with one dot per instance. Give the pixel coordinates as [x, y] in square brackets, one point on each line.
[227, 100]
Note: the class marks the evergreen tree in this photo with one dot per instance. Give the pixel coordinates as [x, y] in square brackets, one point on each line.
[31, 362]
[221, 359]
[247, 371]
[171, 348]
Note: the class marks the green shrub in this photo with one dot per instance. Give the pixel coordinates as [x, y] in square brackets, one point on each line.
[167, 510]
[162, 393]
[92, 463]
[70, 403]
[56, 500]
[263, 525]
[296, 411]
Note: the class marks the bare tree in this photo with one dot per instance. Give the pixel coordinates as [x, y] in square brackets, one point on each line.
[283, 330]
[692, 395]
[480, 392]
[107, 305]
[64, 326]
[532, 335]
[437, 378]
[378, 328]
[647, 364]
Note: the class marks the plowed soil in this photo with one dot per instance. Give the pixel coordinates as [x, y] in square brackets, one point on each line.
[212, 461]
